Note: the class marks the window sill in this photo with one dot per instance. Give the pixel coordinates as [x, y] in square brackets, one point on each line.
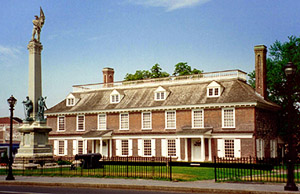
[228, 128]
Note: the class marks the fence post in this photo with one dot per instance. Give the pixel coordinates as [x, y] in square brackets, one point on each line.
[170, 166]
[216, 179]
[127, 167]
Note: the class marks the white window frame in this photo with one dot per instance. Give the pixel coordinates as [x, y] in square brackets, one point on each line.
[150, 120]
[124, 147]
[160, 96]
[70, 101]
[166, 119]
[115, 98]
[193, 118]
[223, 118]
[120, 122]
[56, 147]
[102, 126]
[58, 123]
[77, 123]
[168, 148]
[214, 91]
[151, 154]
[260, 148]
[221, 147]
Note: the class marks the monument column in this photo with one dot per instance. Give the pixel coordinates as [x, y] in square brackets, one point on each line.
[35, 74]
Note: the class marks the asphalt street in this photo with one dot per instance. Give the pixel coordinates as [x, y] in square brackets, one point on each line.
[15, 189]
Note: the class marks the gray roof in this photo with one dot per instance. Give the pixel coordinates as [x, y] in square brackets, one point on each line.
[235, 91]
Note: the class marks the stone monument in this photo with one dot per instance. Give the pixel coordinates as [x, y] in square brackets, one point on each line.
[34, 146]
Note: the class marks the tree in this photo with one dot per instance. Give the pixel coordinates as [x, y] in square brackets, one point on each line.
[279, 55]
[184, 69]
[156, 72]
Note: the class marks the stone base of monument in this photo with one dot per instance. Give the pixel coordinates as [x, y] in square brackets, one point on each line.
[35, 150]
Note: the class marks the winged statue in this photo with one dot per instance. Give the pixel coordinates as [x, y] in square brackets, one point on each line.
[38, 23]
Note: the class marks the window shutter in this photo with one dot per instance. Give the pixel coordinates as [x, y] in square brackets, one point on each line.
[130, 147]
[164, 148]
[74, 147]
[262, 148]
[237, 148]
[258, 151]
[221, 150]
[140, 147]
[66, 147]
[118, 147]
[153, 147]
[85, 147]
[55, 147]
[177, 142]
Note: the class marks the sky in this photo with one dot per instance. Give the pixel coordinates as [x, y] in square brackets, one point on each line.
[81, 37]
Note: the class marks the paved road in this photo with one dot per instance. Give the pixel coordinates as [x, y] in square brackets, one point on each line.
[14, 189]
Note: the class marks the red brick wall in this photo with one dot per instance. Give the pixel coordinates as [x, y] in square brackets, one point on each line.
[247, 148]
[158, 147]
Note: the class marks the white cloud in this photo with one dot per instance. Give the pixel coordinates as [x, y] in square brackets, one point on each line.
[8, 55]
[170, 5]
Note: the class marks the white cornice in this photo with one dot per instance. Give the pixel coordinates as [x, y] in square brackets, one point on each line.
[160, 108]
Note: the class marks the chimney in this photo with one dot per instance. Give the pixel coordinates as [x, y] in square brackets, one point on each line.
[108, 75]
[261, 70]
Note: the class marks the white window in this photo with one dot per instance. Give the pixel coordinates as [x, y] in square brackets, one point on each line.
[197, 118]
[124, 121]
[146, 120]
[171, 147]
[229, 148]
[214, 89]
[147, 147]
[61, 123]
[273, 148]
[70, 101]
[125, 150]
[60, 147]
[115, 98]
[170, 119]
[79, 147]
[260, 148]
[80, 123]
[160, 94]
[102, 121]
[228, 118]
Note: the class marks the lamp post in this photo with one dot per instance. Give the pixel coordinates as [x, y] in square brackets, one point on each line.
[11, 101]
[289, 71]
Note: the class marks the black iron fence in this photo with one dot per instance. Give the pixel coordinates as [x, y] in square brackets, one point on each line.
[135, 167]
[253, 169]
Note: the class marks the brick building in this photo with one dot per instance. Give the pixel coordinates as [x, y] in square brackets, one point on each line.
[5, 133]
[191, 118]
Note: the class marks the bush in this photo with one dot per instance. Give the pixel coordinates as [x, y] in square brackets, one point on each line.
[63, 162]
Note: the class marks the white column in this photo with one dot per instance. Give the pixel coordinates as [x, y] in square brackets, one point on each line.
[209, 149]
[100, 151]
[93, 146]
[110, 148]
[202, 149]
[186, 149]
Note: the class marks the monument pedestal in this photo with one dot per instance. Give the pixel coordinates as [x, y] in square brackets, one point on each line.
[34, 146]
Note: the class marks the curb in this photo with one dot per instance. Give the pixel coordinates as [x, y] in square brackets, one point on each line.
[145, 187]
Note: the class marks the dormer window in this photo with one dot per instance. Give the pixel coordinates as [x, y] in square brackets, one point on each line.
[214, 89]
[115, 97]
[160, 94]
[71, 100]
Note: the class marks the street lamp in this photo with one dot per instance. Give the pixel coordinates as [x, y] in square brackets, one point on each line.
[11, 101]
[289, 71]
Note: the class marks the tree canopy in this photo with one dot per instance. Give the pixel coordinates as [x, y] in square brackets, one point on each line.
[156, 72]
[279, 55]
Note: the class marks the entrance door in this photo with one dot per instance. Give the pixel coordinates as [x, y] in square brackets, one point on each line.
[105, 148]
[196, 149]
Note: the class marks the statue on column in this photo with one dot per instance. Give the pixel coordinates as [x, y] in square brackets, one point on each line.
[28, 108]
[41, 108]
[37, 25]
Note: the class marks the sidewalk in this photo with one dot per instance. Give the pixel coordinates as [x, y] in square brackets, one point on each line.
[143, 184]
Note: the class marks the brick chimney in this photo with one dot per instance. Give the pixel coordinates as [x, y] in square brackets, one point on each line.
[108, 75]
[261, 70]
